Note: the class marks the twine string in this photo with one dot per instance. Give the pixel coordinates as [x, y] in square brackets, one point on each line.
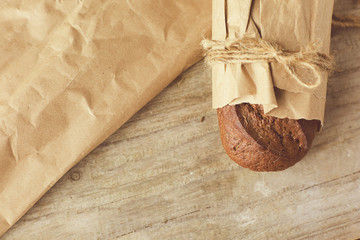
[255, 50]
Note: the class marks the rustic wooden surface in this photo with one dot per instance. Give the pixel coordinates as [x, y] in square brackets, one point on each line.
[164, 174]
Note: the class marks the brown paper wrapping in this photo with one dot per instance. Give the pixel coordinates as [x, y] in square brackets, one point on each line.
[292, 24]
[72, 72]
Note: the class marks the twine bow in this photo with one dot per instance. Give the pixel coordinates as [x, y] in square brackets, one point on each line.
[254, 50]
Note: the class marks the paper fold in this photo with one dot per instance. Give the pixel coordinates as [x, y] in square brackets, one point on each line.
[72, 72]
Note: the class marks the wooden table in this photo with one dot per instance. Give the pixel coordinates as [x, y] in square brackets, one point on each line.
[165, 175]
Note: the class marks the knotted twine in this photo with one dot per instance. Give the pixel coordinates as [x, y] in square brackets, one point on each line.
[256, 50]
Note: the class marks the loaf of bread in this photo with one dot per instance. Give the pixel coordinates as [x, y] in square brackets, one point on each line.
[261, 142]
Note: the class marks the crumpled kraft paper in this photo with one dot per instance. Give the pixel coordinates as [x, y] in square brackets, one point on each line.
[293, 24]
[72, 72]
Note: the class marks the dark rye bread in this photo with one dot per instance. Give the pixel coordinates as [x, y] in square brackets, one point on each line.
[264, 143]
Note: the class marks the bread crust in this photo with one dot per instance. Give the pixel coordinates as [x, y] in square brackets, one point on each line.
[264, 143]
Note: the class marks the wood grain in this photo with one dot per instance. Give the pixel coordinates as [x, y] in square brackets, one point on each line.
[165, 175]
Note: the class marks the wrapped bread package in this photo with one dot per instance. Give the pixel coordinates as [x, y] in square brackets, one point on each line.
[269, 111]
[72, 72]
